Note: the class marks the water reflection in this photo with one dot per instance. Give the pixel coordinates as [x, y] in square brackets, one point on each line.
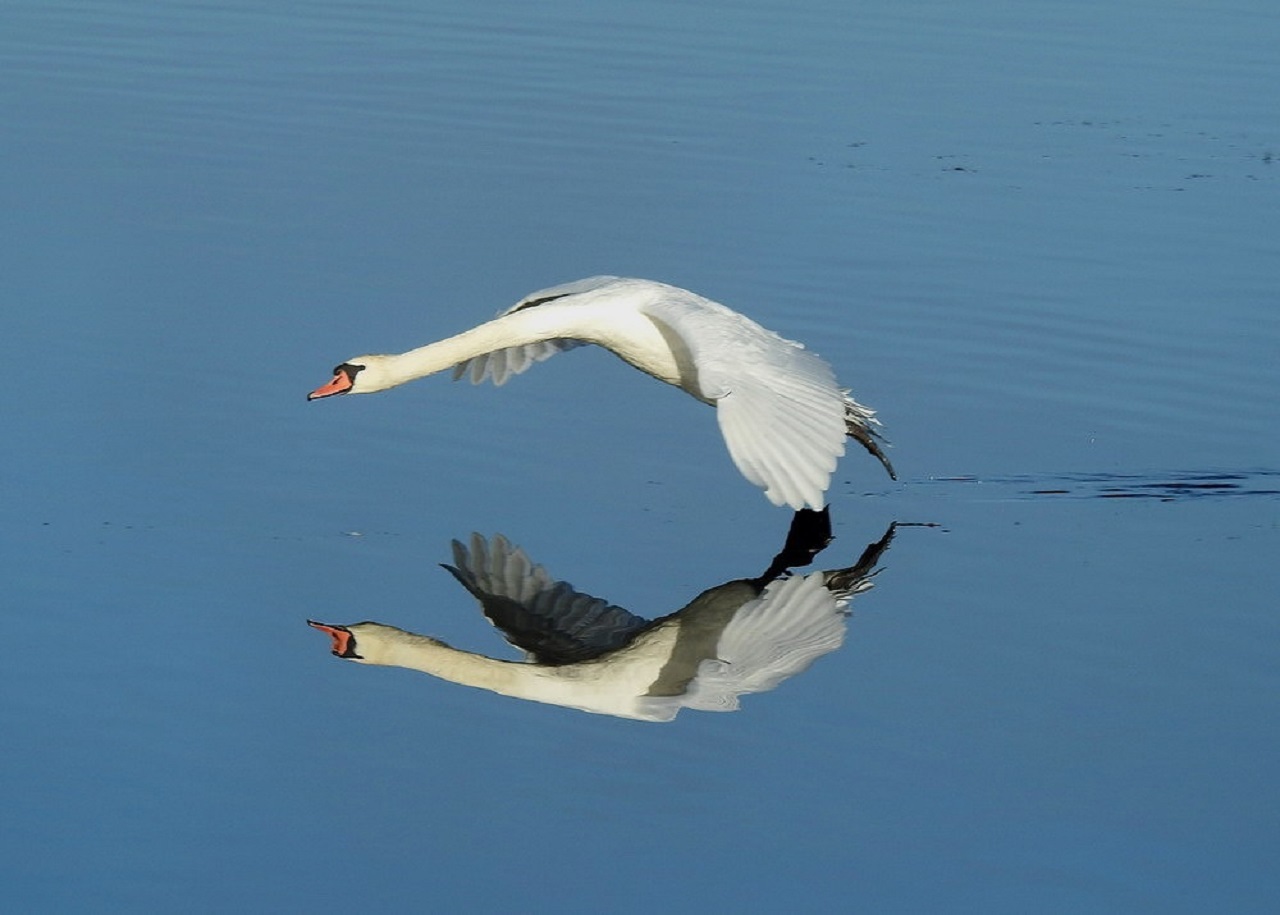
[743, 636]
[1168, 486]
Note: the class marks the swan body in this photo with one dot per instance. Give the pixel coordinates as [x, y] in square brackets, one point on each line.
[783, 417]
[741, 637]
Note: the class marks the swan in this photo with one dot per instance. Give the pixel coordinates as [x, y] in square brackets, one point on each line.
[583, 653]
[783, 417]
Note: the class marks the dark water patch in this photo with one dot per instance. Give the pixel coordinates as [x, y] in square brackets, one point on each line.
[1166, 486]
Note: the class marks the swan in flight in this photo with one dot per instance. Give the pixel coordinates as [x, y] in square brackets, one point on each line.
[782, 414]
[740, 637]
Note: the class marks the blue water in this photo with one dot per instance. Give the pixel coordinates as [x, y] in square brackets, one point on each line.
[1041, 239]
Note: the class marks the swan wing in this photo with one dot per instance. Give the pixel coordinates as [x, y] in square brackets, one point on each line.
[547, 619]
[792, 623]
[779, 409]
[501, 364]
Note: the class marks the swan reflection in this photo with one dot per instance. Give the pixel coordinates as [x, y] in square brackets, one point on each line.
[744, 636]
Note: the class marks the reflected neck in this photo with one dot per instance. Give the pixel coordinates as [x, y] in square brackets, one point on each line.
[397, 648]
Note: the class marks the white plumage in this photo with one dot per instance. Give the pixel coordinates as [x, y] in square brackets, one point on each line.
[744, 636]
[782, 414]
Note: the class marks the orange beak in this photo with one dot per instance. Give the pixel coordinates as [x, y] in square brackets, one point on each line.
[341, 637]
[340, 384]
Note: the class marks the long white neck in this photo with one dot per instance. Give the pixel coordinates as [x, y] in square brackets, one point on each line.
[531, 325]
[613, 686]
[393, 647]
[617, 326]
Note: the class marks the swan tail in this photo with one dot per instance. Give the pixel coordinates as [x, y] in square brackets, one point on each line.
[847, 582]
[862, 426]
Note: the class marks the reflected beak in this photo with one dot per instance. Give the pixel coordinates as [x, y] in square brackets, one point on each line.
[343, 642]
[341, 383]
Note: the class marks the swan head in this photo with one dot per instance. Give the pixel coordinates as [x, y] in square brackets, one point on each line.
[360, 375]
[371, 643]
[344, 640]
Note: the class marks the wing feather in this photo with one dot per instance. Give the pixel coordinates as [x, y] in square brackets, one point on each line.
[785, 431]
[547, 619]
[779, 407]
[791, 624]
[501, 364]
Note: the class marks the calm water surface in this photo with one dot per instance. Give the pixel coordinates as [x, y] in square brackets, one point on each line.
[1042, 240]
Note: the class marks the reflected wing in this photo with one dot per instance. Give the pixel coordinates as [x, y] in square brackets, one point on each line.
[776, 636]
[545, 618]
[502, 364]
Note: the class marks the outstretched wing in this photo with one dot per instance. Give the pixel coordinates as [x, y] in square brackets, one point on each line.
[784, 429]
[779, 407]
[791, 624]
[780, 411]
[547, 619]
[502, 364]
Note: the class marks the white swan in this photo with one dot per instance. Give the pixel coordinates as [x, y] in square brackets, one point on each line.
[740, 637]
[782, 414]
